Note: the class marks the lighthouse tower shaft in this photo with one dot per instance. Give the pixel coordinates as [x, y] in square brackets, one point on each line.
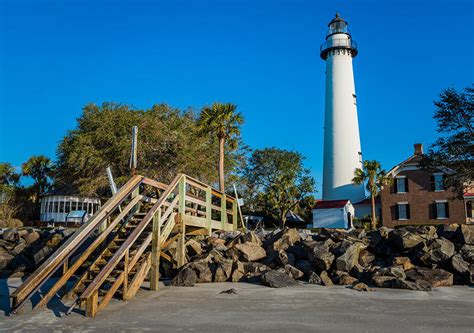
[342, 149]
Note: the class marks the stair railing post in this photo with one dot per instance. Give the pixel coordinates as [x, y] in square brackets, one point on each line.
[92, 304]
[234, 214]
[223, 211]
[125, 273]
[181, 211]
[209, 209]
[155, 252]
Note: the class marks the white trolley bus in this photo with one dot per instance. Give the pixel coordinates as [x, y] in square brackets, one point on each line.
[67, 208]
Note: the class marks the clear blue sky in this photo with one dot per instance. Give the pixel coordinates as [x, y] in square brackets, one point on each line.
[56, 56]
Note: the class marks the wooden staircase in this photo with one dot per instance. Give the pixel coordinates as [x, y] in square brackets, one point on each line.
[113, 253]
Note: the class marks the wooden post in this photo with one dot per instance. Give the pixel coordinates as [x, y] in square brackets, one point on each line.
[155, 252]
[181, 211]
[125, 273]
[209, 209]
[234, 214]
[223, 211]
[92, 304]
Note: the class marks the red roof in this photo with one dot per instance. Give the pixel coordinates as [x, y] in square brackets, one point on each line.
[325, 204]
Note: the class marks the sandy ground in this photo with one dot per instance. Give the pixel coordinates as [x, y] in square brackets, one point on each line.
[304, 307]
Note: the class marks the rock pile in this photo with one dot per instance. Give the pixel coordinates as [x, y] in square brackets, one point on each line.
[415, 258]
[22, 250]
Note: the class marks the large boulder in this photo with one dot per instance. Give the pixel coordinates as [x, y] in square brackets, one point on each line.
[31, 237]
[238, 271]
[314, 279]
[448, 231]
[193, 247]
[321, 258]
[10, 235]
[440, 251]
[383, 281]
[325, 279]
[366, 258]
[5, 259]
[185, 278]
[420, 285]
[293, 272]
[223, 271]
[404, 239]
[435, 277]
[465, 234]
[251, 237]
[467, 252]
[250, 251]
[348, 259]
[404, 262]
[203, 271]
[284, 239]
[276, 279]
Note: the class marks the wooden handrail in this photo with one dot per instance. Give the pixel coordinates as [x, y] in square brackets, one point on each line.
[199, 184]
[108, 268]
[65, 277]
[42, 273]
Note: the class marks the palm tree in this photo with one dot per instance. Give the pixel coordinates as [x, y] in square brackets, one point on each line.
[8, 175]
[376, 178]
[41, 169]
[221, 120]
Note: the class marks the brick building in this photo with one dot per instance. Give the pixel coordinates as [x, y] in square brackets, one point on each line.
[419, 197]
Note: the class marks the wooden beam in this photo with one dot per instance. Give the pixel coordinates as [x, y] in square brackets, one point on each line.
[155, 253]
[87, 252]
[139, 277]
[195, 221]
[109, 267]
[154, 183]
[223, 212]
[209, 209]
[43, 272]
[92, 304]
[110, 293]
[181, 255]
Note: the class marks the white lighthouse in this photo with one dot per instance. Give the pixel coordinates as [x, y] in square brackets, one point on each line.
[342, 151]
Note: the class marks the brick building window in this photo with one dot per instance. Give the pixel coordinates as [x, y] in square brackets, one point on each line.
[401, 184]
[437, 182]
[403, 211]
[442, 209]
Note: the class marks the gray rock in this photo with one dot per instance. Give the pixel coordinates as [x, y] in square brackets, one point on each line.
[315, 279]
[459, 265]
[293, 272]
[5, 259]
[250, 251]
[276, 279]
[284, 239]
[435, 277]
[465, 234]
[420, 285]
[467, 252]
[346, 261]
[440, 251]
[223, 271]
[186, 278]
[10, 235]
[404, 239]
[383, 281]
[325, 279]
[321, 258]
[366, 258]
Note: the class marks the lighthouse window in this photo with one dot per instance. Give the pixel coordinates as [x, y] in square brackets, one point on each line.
[354, 98]
[360, 157]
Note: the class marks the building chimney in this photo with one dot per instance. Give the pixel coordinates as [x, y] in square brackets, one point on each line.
[418, 148]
